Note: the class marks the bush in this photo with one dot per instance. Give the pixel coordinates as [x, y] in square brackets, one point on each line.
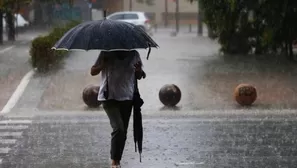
[42, 56]
[58, 32]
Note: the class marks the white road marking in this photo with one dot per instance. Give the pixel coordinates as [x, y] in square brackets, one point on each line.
[8, 141]
[14, 134]
[18, 92]
[189, 163]
[16, 122]
[6, 49]
[13, 127]
[4, 150]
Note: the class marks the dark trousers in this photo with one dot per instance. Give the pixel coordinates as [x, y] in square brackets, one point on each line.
[119, 113]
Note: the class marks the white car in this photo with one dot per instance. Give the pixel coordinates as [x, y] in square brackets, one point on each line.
[19, 21]
[134, 17]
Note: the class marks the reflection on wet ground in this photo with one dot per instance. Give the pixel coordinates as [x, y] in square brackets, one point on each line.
[83, 142]
[206, 79]
[274, 79]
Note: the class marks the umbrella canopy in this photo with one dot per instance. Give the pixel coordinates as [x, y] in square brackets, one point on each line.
[105, 35]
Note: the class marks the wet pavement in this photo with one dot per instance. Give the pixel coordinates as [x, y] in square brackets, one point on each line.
[51, 127]
[82, 141]
[175, 62]
[14, 63]
[206, 79]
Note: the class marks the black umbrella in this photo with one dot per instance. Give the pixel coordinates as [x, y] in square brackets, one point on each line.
[105, 35]
[137, 120]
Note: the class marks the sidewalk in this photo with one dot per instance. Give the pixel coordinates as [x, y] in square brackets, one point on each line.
[14, 63]
[22, 37]
[83, 141]
[183, 30]
[206, 79]
[62, 90]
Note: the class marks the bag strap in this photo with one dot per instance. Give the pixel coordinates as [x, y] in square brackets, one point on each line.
[107, 87]
[136, 90]
[107, 83]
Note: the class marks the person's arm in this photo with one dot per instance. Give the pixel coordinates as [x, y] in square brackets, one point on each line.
[98, 66]
[95, 70]
[139, 73]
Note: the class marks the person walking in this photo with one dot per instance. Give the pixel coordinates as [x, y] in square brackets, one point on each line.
[119, 70]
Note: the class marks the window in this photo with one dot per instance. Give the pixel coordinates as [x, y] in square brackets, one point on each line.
[131, 16]
[117, 17]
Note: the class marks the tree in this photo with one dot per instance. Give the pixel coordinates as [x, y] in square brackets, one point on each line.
[263, 25]
[9, 7]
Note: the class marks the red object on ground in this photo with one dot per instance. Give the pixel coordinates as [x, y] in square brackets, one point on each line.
[245, 94]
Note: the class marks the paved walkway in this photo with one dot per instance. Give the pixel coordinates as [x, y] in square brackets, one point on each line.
[175, 62]
[14, 63]
[206, 79]
[50, 128]
[82, 141]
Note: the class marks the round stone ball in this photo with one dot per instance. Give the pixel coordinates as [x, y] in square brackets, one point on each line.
[90, 96]
[245, 94]
[170, 95]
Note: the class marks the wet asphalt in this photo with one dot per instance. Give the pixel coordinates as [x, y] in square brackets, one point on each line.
[206, 79]
[14, 62]
[82, 141]
[50, 126]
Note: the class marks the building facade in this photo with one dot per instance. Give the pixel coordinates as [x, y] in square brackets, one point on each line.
[160, 12]
[157, 12]
[50, 13]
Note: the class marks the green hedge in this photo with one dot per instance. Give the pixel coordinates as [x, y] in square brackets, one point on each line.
[43, 58]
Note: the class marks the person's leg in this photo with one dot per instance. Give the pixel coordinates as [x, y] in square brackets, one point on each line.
[125, 110]
[118, 136]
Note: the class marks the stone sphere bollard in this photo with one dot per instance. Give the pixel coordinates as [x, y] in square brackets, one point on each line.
[245, 94]
[90, 96]
[170, 95]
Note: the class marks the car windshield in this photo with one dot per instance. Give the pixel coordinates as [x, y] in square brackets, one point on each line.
[131, 16]
[117, 17]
